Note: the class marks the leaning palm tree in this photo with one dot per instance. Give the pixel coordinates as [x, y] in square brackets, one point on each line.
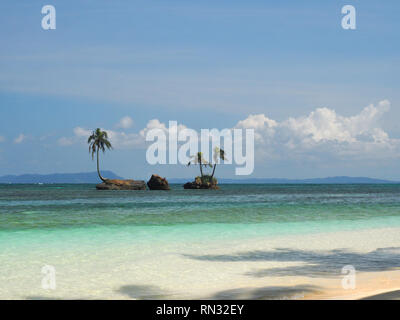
[218, 154]
[98, 141]
[198, 159]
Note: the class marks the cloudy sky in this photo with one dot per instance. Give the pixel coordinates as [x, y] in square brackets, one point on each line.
[323, 101]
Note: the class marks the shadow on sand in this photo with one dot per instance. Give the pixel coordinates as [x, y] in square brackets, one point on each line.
[313, 263]
[392, 295]
[265, 293]
[143, 292]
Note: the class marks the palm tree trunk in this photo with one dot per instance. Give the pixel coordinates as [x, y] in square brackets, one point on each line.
[201, 169]
[212, 175]
[98, 169]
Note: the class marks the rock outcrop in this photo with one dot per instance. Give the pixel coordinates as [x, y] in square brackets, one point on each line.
[113, 184]
[200, 183]
[158, 183]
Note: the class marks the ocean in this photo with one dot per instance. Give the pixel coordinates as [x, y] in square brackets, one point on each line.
[77, 228]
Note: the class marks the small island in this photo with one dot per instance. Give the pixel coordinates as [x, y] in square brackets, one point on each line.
[99, 141]
[205, 181]
[115, 184]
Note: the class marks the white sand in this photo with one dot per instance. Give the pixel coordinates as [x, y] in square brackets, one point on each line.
[243, 269]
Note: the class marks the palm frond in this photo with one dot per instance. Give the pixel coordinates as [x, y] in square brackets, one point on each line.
[98, 141]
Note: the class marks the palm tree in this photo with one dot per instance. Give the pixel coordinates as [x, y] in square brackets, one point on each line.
[198, 159]
[98, 141]
[218, 153]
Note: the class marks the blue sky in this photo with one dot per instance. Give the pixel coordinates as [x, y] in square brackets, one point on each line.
[205, 64]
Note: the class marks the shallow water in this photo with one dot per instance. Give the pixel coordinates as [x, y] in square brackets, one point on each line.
[101, 233]
[54, 211]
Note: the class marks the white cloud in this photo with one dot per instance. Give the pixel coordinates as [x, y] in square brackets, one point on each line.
[2, 139]
[20, 138]
[264, 128]
[324, 124]
[122, 139]
[125, 123]
[81, 132]
[320, 134]
[118, 139]
[324, 131]
[156, 124]
[80, 135]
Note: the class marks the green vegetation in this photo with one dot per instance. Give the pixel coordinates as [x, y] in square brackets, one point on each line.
[206, 179]
[219, 154]
[98, 141]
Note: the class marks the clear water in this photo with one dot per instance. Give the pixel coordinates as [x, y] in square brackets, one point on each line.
[59, 215]
[135, 244]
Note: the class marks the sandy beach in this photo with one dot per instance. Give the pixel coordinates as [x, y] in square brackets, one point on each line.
[258, 268]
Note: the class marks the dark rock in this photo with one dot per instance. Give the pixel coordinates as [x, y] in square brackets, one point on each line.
[158, 183]
[115, 184]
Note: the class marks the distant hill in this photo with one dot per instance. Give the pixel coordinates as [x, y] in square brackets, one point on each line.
[83, 177]
[328, 180]
[92, 177]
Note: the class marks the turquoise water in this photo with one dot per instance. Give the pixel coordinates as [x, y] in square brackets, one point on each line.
[49, 215]
[189, 243]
